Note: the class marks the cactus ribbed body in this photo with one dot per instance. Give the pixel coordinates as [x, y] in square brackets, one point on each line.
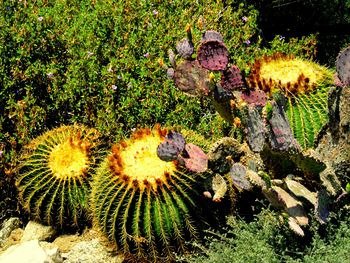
[143, 204]
[307, 114]
[55, 173]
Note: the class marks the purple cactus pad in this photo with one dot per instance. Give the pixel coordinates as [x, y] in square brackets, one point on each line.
[168, 151]
[231, 79]
[177, 138]
[212, 35]
[213, 55]
[195, 160]
[255, 97]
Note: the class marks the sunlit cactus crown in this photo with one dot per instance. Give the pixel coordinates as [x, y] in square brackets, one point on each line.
[143, 204]
[289, 74]
[55, 174]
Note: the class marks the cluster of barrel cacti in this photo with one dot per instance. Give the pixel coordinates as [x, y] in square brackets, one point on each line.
[143, 196]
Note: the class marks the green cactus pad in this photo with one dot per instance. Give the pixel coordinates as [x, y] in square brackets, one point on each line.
[144, 205]
[55, 173]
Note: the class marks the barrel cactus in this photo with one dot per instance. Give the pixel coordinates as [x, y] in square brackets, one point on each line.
[55, 173]
[146, 206]
[305, 86]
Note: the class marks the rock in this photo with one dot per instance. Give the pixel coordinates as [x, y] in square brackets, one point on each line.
[35, 230]
[91, 251]
[52, 251]
[7, 227]
[279, 198]
[66, 242]
[295, 227]
[26, 252]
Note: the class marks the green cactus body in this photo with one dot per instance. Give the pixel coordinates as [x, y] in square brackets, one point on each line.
[307, 114]
[144, 205]
[55, 173]
[305, 85]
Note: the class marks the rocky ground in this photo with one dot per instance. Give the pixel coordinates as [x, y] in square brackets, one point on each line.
[36, 243]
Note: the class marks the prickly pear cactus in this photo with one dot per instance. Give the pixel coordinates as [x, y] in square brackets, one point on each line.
[192, 79]
[238, 175]
[232, 79]
[255, 97]
[170, 149]
[177, 138]
[212, 35]
[55, 175]
[144, 205]
[343, 66]
[213, 55]
[185, 48]
[194, 159]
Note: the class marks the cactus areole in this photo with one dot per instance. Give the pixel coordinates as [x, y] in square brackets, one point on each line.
[143, 204]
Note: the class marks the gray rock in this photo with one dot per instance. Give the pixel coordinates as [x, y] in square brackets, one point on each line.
[35, 230]
[26, 252]
[7, 227]
[91, 251]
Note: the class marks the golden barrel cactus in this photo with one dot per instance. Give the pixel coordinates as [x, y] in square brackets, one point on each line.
[146, 206]
[55, 173]
[305, 85]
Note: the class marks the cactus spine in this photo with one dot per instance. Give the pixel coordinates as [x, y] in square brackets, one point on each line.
[55, 173]
[143, 204]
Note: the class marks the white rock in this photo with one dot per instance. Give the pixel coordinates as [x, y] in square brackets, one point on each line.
[52, 251]
[91, 251]
[35, 230]
[7, 227]
[27, 252]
